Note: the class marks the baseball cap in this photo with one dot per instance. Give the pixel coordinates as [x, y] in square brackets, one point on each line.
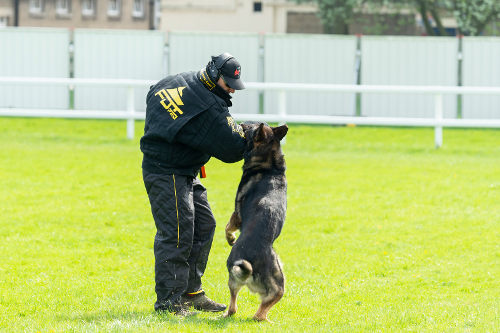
[231, 73]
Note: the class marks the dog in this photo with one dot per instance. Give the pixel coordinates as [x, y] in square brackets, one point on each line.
[259, 214]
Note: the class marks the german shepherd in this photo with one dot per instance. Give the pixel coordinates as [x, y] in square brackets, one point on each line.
[259, 214]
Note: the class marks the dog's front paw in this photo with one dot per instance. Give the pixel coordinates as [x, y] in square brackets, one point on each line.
[231, 238]
[227, 314]
[262, 318]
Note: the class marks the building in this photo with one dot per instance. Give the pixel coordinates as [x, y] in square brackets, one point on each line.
[271, 16]
[101, 14]
[6, 13]
[181, 15]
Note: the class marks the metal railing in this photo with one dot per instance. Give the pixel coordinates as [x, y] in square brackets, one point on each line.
[130, 114]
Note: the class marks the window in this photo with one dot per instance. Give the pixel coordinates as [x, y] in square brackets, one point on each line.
[88, 8]
[63, 7]
[138, 9]
[36, 7]
[114, 7]
[257, 6]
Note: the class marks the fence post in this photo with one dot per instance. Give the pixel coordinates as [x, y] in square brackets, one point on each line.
[130, 110]
[460, 61]
[438, 115]
[357, 76]
[282, 109]
[166, 60]
[261, 70]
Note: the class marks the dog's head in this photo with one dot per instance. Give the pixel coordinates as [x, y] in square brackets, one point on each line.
[263, 148]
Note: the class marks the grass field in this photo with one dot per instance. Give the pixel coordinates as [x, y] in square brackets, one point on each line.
[383, 232]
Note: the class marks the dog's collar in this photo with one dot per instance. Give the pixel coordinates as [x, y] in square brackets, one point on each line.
[273, 171]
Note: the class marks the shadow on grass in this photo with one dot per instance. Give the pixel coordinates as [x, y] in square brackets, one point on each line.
[217, 321]
[149, 318]
[210, 319]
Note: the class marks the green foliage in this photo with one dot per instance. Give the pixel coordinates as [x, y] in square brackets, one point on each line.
[335, 14]
[381, 24]
[383, 232]
[472, 15]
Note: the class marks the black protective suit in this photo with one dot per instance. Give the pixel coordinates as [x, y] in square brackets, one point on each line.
[186, 124]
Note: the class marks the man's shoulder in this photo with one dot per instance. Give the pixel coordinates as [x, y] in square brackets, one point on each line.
[173, 81]
[190, 82]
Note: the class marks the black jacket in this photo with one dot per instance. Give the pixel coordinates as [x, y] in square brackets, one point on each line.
[186, 124]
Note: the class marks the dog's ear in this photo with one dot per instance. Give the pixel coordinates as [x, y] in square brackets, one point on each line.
[245, 126]
[260, 134]
[280, 132]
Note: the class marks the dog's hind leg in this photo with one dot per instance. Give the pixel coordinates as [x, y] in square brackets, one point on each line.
[232, 226]
[267, 304]
[274, 291]
[234, 288]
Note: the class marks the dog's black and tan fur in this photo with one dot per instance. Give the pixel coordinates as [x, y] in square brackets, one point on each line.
[259, 214]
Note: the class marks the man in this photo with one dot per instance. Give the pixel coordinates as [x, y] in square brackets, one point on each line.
[187, 122]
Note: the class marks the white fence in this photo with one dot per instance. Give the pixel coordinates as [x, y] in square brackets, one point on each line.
[106, 54]
[130, 114]
[34, 53]
[287, 58]
[481, 67]
[324, 59]
[408, 61]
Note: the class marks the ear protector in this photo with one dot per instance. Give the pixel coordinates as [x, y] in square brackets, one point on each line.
[216, 64]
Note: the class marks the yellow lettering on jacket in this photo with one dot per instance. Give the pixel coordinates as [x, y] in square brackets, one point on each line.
[173, 97]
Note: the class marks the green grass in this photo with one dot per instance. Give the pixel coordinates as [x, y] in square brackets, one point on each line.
[383, 232]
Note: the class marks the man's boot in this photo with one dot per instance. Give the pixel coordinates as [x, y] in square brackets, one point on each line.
[179, 310]
[201, 302]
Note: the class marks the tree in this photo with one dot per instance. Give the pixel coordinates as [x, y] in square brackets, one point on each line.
[472, 16]
[335, 15]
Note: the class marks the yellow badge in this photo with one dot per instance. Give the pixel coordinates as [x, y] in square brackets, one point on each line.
[235, 127]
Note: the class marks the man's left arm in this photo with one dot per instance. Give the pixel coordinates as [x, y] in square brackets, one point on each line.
[225, 139]
[217, 134]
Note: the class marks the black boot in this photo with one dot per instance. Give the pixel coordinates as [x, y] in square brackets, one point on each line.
[201, 302]
[180, 310]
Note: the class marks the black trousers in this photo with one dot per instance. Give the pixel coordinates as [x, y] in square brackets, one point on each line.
[185, 229]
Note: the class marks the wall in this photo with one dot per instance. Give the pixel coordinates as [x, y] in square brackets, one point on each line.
[303, 23]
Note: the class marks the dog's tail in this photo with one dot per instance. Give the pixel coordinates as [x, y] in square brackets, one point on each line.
[241, 270]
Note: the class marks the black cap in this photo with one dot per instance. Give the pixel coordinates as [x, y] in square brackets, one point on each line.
[231, 73]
